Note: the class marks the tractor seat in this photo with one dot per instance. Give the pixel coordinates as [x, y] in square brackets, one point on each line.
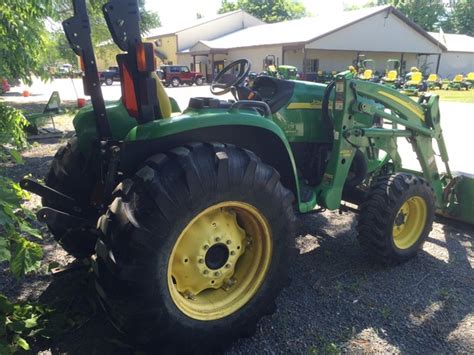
[392, 75]
[416, 79]
[432, 78]
[368, 73]
[458, 78]
[275, 92]
[162, 96]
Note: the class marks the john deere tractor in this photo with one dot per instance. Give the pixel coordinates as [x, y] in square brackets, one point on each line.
[272, 68]
[188, 219]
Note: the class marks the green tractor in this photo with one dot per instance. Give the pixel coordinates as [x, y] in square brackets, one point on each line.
[189, 220]
[272, 68]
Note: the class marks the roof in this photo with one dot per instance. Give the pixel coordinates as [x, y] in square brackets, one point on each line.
[305, 30]
[455, 42]
[170, 30]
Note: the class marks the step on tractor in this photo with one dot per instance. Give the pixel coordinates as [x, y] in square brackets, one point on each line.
[188, 219]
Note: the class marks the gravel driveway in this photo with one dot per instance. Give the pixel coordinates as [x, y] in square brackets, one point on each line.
[337, 302]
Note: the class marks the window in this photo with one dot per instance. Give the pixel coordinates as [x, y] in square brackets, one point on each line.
[312, 65]
[184, 70]
[158, 42]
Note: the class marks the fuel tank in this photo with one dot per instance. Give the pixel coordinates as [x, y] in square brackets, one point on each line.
[301, 118]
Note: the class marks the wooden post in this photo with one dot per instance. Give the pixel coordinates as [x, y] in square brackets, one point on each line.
[401, 64]
[304, 62]
[212, 66]
[437, 64]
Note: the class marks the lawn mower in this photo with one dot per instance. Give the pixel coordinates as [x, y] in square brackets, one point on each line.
[367, 69]
[434, 82]
[414, 83]
[459, 83]
[189, 220]
[392, 74]
[470, 78]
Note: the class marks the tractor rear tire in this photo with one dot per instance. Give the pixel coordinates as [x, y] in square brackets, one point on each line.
[68, 174]
[396, 218]
[160, 231]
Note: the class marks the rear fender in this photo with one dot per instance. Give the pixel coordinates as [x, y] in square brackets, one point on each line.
[260, 135]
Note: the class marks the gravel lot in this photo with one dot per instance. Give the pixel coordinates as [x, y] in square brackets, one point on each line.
[338, 301]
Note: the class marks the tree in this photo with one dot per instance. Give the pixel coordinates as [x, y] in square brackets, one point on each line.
[267, 10]
[429, 14]
[462, 17]
[25, 40]
[23, 35]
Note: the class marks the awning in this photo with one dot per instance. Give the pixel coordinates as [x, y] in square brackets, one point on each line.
[160, 54]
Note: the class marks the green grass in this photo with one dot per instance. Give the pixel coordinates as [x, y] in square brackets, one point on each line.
[455, 95]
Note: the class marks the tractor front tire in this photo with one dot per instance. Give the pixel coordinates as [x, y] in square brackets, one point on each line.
[69, 174]
[396, 218]
[195, 248]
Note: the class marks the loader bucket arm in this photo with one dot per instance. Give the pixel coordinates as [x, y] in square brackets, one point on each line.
[418, 122]
[78, 34]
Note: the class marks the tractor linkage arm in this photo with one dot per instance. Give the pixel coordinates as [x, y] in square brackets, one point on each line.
[78, 34]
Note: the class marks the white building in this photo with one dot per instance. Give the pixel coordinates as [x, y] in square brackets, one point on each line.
[171, 41]
[324, 43]
[459, 58]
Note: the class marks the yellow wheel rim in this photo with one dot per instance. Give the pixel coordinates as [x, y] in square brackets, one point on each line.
[219, 260]
[409, 222]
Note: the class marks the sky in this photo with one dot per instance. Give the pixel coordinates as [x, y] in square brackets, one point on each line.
[178, 12]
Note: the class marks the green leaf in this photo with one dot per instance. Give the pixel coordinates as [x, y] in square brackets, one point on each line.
[5, 254]
[5, 305]
[26, 228]
[26, 258]
[22, 343]
[16, 326]
[16, 156]
[5, 348]
[31, 322]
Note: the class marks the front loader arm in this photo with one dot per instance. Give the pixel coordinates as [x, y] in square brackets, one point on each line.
[417, 122]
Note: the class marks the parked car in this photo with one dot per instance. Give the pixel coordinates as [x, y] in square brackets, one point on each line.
[109, 76]
[4, 86]
[176, 75]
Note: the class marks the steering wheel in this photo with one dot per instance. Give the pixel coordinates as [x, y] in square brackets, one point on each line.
[232, 75]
